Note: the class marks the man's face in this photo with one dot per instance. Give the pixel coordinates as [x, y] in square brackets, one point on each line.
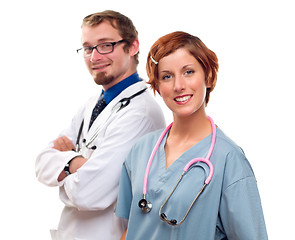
[106, 69]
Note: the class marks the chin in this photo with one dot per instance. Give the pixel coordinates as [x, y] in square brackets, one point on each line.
[102, 79]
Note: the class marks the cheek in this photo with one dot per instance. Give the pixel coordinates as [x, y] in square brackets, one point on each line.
[198, 84]
[163, 90]
[87, 62]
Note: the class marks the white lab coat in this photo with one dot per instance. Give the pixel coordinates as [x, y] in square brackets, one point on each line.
[90, 194]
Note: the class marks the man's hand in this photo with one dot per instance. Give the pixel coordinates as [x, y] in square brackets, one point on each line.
[63, 144]
[76, 163]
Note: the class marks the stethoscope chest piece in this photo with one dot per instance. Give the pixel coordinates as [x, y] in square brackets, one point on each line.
[145, 205]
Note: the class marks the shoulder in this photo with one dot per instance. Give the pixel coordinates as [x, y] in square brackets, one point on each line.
[142, 106]
[226, 142]
[145, 99]
[146, 142]
[143, 148]
[231, 159]
[225, 146]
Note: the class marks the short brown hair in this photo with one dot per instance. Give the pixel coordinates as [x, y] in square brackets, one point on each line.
[119, 21]
[173, 41]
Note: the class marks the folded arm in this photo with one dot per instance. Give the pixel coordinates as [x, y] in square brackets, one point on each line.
[95, 185]
[64, 144]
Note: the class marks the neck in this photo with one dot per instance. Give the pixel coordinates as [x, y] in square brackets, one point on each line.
[191, 128]
[184, 134]
[117, 79]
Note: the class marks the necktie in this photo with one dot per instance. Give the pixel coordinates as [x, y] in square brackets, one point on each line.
[100, 105]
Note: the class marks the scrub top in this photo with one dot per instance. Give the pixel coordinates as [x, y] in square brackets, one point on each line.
[229, 207]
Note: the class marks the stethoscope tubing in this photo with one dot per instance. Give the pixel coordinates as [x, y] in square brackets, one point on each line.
[124, 103]
[146, 206]
[188, 165]
[147, 170]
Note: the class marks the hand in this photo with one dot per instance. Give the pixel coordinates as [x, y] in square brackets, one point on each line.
[75, 164]
[63, 144]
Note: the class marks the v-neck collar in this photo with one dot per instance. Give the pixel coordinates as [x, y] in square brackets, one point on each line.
[200, 149]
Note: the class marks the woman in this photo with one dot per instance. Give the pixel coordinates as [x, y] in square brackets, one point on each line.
[227, 206]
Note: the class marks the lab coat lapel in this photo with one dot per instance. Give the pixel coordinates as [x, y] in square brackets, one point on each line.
[99, 122]
[111, 108]
[88, 113]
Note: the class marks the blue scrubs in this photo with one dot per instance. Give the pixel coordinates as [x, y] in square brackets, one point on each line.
[229, 207]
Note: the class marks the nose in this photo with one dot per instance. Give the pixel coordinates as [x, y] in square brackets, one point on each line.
[95, 55]
[179, 84]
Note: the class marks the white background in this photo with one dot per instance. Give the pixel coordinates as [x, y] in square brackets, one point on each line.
[43, 82]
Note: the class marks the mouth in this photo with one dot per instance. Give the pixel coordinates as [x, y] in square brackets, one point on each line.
[183, 99]
[100, 67]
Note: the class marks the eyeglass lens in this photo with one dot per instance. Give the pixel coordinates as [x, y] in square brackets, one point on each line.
[103, 48]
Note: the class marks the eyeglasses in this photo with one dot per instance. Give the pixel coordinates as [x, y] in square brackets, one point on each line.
[102, 48]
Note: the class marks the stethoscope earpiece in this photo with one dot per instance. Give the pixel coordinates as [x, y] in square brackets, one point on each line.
[145, 205]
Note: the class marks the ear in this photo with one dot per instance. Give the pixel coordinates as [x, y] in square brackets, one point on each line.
[208, 85]
[134, 48]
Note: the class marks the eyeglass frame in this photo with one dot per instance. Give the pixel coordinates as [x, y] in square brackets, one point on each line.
[95, 47]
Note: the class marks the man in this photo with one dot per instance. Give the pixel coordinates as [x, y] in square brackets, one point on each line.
[88, 177]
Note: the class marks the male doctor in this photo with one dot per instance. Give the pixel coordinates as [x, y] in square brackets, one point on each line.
[85, 161]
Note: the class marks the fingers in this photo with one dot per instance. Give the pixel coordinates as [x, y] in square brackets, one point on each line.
[63, 144]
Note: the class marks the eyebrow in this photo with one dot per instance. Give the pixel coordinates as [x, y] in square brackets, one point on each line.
[187, 65]
[164, 72]
[184, 67]
[99, 41]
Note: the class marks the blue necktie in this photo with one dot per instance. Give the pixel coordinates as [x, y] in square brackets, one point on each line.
[100, 105]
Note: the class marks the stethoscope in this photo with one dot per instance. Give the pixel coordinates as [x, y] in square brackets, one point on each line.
[146, 206]
[124, 102]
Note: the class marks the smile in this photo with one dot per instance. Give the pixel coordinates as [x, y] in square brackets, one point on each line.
[183, 99]
[97, 68]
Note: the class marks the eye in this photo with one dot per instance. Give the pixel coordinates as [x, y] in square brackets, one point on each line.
[105, 46]
[166, 77]
[87, 50]
[189, 72]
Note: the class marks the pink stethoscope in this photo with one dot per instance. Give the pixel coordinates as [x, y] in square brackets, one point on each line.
[147, 206]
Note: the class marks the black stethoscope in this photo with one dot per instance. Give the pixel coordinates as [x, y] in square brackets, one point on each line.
[146, 206]
[124, 103]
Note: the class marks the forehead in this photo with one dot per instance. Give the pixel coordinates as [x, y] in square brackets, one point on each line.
[99, 33]
[177, 59]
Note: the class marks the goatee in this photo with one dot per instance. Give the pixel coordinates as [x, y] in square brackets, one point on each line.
[103, 79]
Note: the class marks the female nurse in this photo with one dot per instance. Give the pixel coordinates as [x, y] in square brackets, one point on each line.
[155, 202]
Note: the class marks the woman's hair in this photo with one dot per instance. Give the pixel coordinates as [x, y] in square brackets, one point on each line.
[173, 41]
[119, 21]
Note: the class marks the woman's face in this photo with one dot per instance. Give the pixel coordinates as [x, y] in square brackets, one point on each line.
[182, 83]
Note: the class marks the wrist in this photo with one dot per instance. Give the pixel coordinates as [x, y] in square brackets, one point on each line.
[67, 168]
[76, 163]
